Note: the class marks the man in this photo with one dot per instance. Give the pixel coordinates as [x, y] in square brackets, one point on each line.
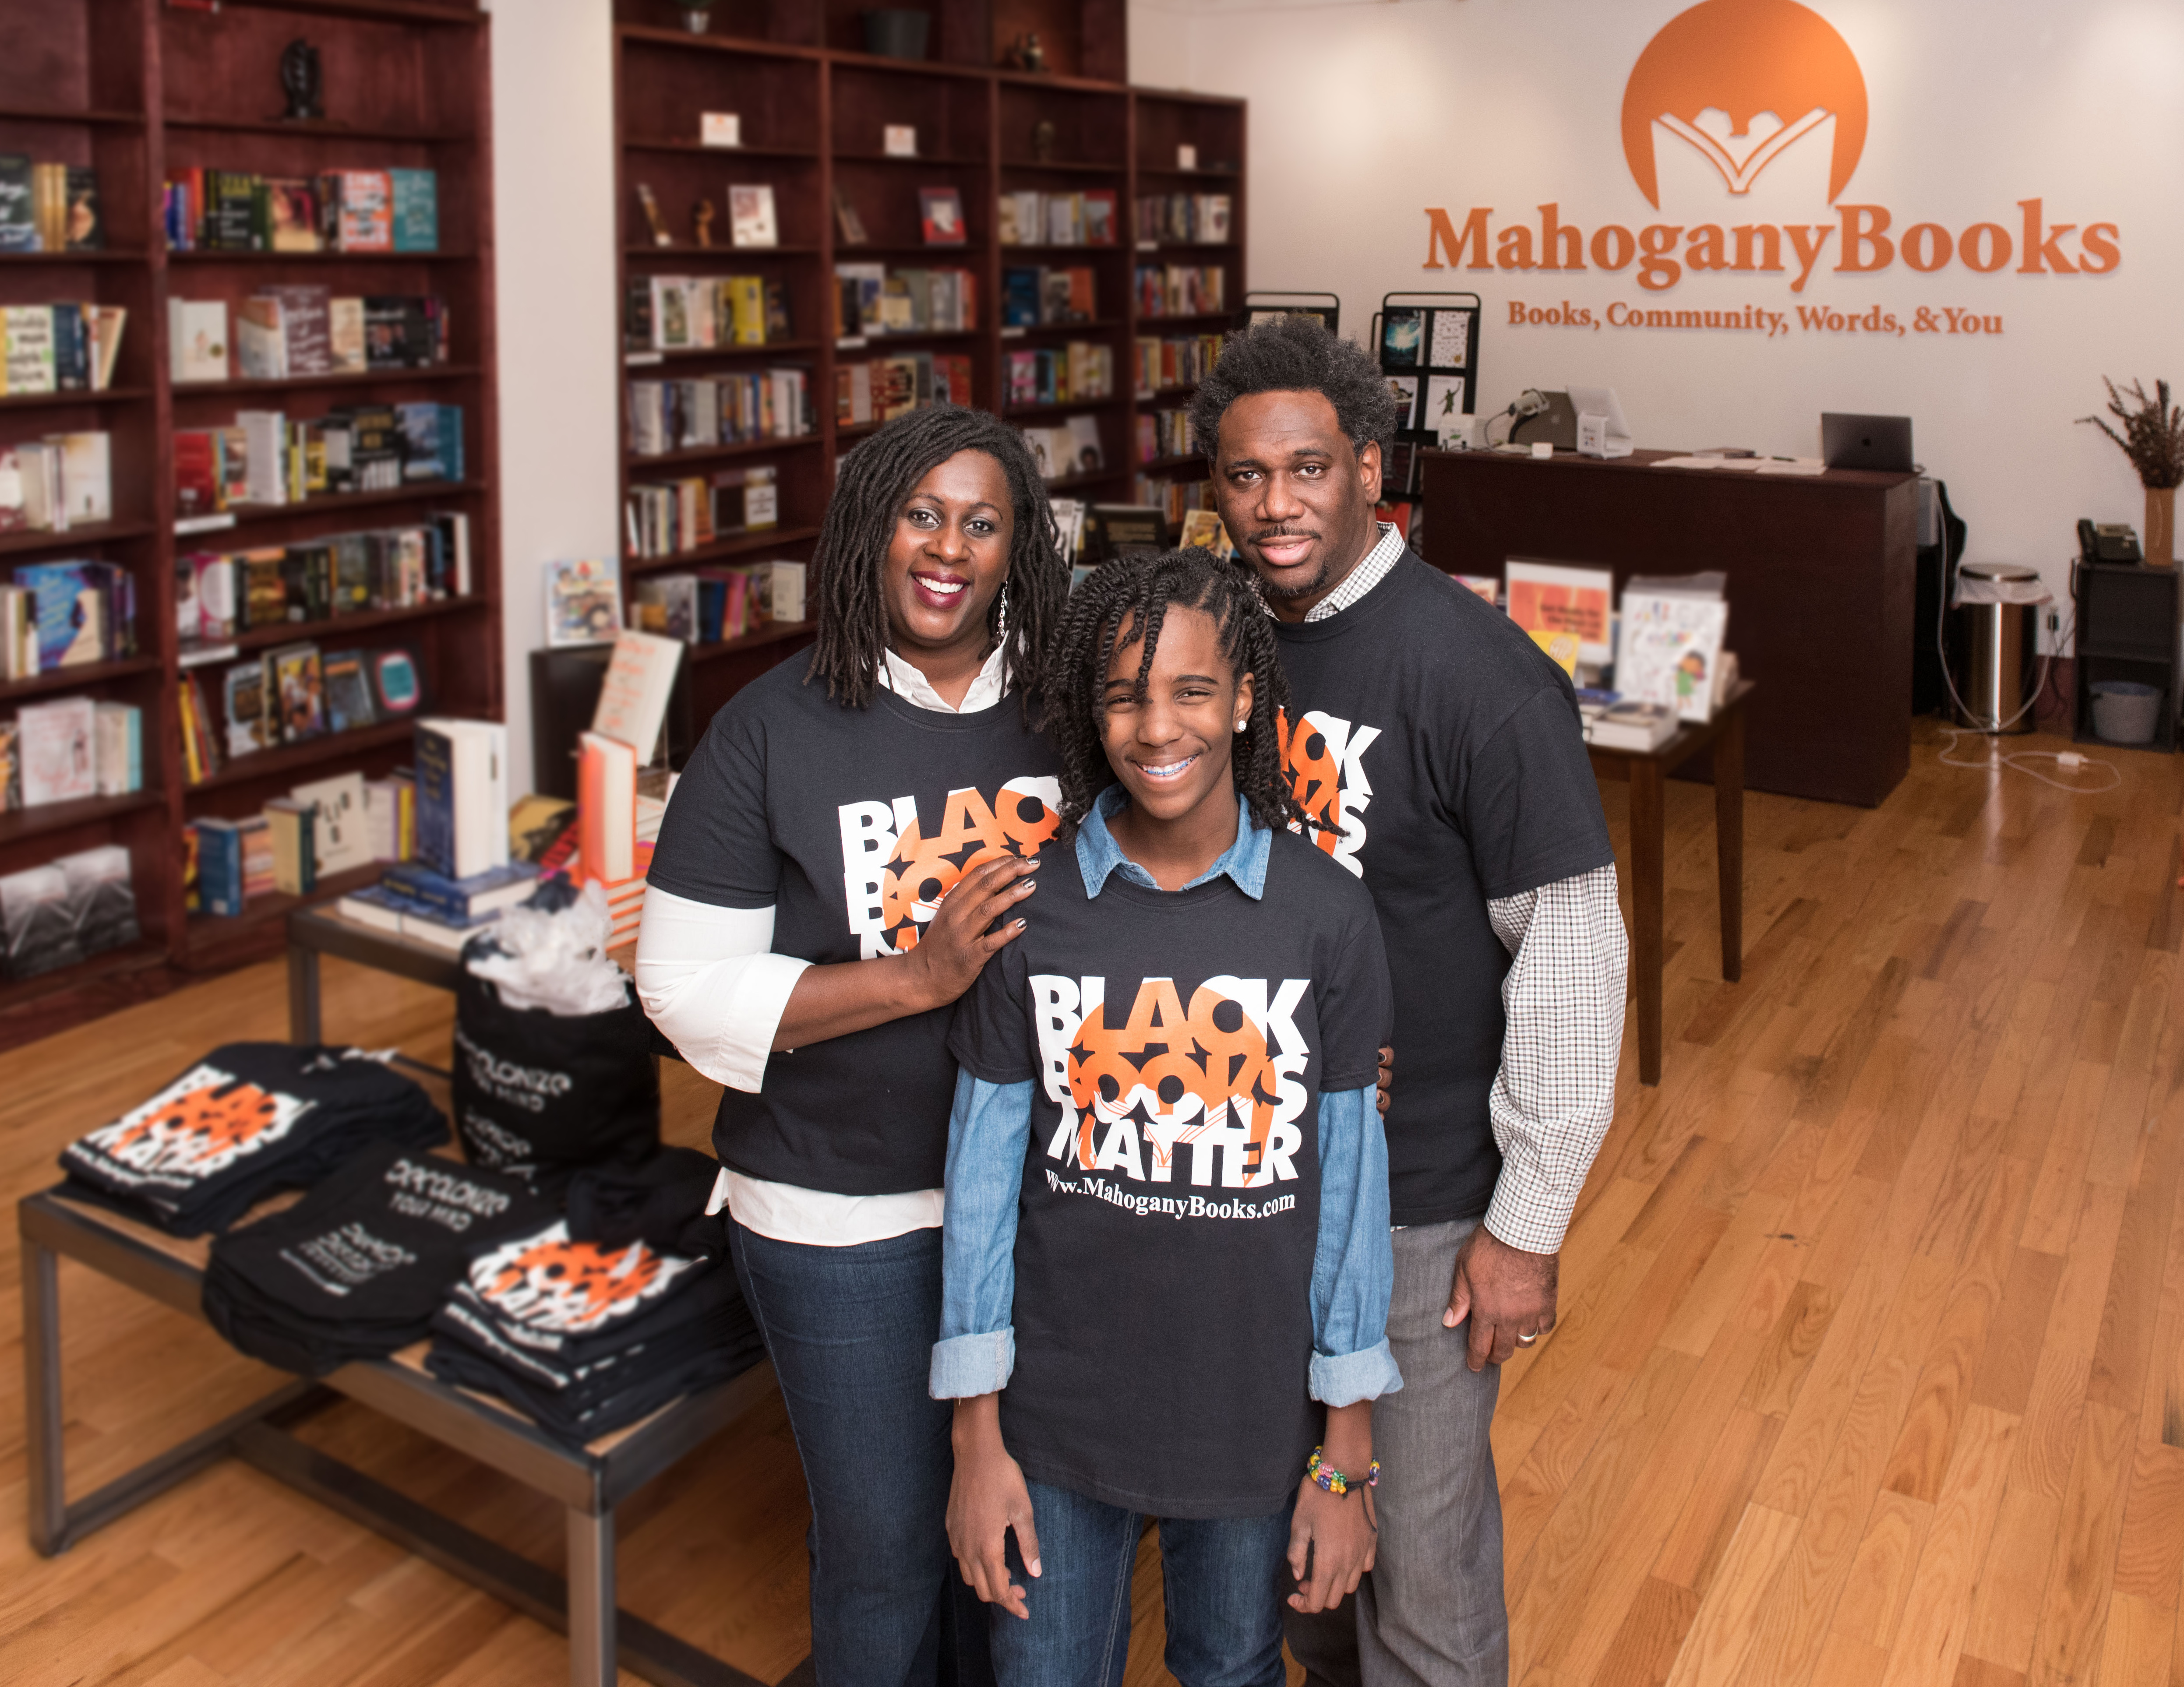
[1440, 753]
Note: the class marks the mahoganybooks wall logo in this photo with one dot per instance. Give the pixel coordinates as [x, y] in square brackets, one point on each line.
[1742, 82]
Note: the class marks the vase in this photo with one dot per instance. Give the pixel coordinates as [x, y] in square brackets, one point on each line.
[2161, 526]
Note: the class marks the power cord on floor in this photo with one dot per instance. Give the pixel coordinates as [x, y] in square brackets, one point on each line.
[2066, 760]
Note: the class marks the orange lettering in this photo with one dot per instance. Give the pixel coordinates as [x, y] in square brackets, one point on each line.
[2102, 256]
[1562, 245]
[1984, 247]
[1863, 229]
[1926, 247]
[1441, 236]
[2036, 249]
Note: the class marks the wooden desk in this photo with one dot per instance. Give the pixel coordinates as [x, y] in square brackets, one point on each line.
[1646, 770]
[1821, 576]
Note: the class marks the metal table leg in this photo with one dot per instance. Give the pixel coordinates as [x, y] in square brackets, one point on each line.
[42, 1396]
[591, 1598]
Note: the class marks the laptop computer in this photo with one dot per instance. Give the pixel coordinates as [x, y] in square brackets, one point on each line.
[1866, 442]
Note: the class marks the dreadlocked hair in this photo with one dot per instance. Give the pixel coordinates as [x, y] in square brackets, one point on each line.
[1138, 592]
[874, 482]
[1293, 352]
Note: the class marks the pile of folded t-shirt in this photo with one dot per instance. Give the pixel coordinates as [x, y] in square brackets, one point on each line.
[660, 1202]
[245, 1120]
[587, 1335]
[356, 1269]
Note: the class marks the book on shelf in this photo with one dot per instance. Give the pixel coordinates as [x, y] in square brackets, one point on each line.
[870, 298]
[751, 221]
[101, 898]
[1027, 217]
[197, 340]
[702, 313]
[19, 632]
[1039, 298]
[720, 409]
[85, 611]
[295, 865]
[341, 837]
[390, 817]
[1184, 219]
[847, 223]
[583, 601]
[462, 795]
[34, 914]
[57, 744]
[66, 347]
[940, 216]
[606, 809]
[117, 748]
[779, 589]
[295, 689]
[218, 594]
[720, 129]
[1073, 448]
[201, 755]
[535, 824]
[415, 209]
[1060, 375]
[669, 518]
[49, 207]
[1177, 360]
[1670, 650]
[1181, 289]
[1627, 724]
[350, 706]
[880, 389]
[337, 210]
[398, 682]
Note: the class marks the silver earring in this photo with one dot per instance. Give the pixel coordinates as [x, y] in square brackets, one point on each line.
[1240, 726]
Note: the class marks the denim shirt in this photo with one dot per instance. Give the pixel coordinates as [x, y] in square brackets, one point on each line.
[1353, 1261]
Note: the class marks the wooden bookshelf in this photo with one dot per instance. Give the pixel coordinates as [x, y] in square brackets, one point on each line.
[813, 107]
[141, 90]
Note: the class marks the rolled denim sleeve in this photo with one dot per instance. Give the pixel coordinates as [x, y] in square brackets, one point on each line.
[1353, 1266]
[987, 1131]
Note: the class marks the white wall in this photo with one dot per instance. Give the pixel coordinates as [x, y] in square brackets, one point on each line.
[553, 156]
[1363, 114]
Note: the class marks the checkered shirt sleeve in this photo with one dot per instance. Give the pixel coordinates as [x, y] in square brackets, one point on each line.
[1554, 1096]
[1360, 579]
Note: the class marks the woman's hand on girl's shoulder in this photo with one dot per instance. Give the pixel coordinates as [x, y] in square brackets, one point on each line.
[956, 943]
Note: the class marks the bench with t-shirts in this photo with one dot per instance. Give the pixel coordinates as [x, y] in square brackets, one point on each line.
[247, 1120]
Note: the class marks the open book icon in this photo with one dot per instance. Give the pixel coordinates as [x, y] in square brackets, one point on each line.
[1740, 173]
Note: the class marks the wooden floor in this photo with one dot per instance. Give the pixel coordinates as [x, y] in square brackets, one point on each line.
[1869, 1368]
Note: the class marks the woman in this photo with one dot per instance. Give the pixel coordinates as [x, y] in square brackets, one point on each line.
[1167, 1256]
[797, 948]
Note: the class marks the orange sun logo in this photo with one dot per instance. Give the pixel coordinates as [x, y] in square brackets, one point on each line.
[1744, 58]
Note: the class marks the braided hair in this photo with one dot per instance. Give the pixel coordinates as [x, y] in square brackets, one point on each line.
[873, 482]
[1139, 591]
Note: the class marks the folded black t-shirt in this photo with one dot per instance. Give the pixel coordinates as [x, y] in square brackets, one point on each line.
[245, 1120]
[357, 1268]
[851, 824]
[1440, 752]
[660, 1202]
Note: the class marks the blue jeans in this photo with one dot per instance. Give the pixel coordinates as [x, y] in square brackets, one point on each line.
[850, 1333]
[1225, 1581]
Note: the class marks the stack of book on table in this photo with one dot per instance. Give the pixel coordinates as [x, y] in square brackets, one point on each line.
[462, 878]
[617, 824]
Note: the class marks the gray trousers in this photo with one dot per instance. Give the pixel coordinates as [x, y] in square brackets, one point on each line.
[1431, 1613]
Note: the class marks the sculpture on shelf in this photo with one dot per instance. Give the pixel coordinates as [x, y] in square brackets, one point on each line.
[299, 80]
[697, 15]
[1042, 141]
[703, 217]
[652, 217]
[1028, 54]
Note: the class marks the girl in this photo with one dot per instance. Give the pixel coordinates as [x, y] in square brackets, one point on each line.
[796, 948]
[1168, 1202]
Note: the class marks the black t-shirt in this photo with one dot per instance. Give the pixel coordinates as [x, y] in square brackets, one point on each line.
[1441, 751]
[851, 824]
[1164, 1267]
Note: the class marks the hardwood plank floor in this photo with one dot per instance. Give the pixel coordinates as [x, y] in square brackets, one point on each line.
[1871, 1369]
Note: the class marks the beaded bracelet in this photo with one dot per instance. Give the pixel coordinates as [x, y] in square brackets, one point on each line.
[1326, 1476]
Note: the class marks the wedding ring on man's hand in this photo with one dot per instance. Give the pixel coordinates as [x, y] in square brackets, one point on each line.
[1527, 1340]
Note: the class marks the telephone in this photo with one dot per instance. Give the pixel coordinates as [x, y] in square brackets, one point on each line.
[2108, 542]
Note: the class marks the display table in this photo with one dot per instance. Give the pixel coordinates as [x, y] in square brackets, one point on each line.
[589, 1481]
[1646, 771]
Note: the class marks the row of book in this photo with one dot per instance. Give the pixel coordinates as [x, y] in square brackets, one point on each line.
[1163, 433]
[1182, 289]
[337, 211]
[1033, 298]
[716, 604]
[720, 409]
[1174, 499]
[319, 828]
[879, 389]
[265, 458]
[67, 910]
[64, 347]
[48, 207]
[61, 615]
[1178, 360]
[1030, 218]
[697, 313]
[291, 694]
[1185, 219]
[1073, 448]
[68, 750]
[667, 518]
[870, 298]
[218, 594]
[1062, 375]
[297, 331]
[62, 481]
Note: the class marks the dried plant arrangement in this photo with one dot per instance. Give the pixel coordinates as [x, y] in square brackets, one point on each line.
[2153, 435]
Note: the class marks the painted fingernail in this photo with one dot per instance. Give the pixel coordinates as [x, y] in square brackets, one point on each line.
[1020, 925]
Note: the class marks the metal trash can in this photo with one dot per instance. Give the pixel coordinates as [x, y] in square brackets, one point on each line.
[1994, 661]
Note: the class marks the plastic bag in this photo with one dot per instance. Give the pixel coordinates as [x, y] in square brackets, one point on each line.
[553, 959]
